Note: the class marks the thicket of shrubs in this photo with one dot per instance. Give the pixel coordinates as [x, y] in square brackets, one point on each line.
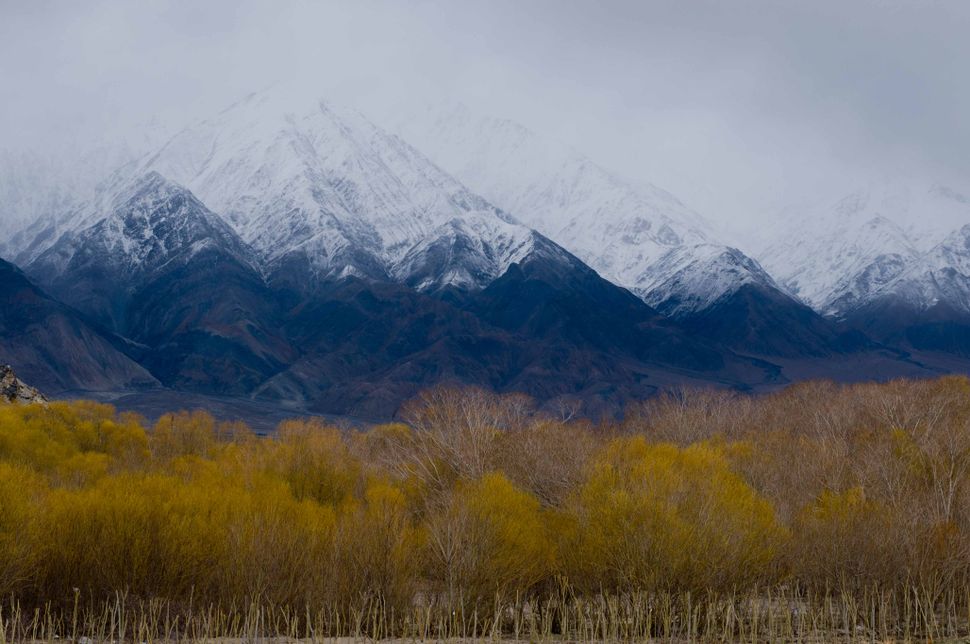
[479, 498]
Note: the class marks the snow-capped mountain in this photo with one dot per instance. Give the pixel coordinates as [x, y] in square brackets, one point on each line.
[39, 192]
[941, 277]
[151, 263]
[321, 192]
[637, 236]
[149, 224]
[305, 254]
[927, 307]
[31, 188]
[856, 255]
[353, 234]
[840, 258]
[640, 237]
[693, 278]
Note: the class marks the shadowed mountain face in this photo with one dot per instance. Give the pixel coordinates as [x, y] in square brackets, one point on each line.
[566, 302]
[53, 347]
[766, 322]
[168, 274]
[548, 327]
[896, 322]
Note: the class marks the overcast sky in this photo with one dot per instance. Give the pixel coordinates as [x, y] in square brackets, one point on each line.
[735, 106]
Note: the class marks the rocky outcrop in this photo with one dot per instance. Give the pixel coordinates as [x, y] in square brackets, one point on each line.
[13, 390]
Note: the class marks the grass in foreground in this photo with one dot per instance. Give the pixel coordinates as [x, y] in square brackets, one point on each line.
[759, 617]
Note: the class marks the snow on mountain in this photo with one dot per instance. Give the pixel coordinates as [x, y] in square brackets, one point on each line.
[466, 252]
[149, 262]
[325, 190]
[694, 278]
[939, 277]
[927, 212]
[628, 233]
[322, 192]
[31, 187]
[838, 258]
[147, 224]
[40, 194]
[319, 191]
[832, 271]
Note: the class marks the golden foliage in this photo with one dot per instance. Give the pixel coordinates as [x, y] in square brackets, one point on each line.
[489, 539]
[657, 516]
[483, 497]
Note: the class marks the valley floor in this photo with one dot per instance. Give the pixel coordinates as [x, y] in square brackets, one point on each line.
[263, 416]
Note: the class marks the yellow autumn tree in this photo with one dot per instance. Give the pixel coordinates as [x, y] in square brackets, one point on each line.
[379, 547]
[183, 434]
[659, 516]
[489, 538]
[22, 494]
[314, 460]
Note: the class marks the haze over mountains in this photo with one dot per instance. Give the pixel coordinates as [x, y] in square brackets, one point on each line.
[302, 254]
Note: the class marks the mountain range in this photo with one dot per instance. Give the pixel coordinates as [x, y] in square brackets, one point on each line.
[890, 260]
[303, 255]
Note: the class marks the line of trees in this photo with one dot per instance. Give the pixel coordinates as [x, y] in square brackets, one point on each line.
[477, 496]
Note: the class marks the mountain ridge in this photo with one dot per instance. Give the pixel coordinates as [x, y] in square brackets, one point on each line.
[305, 256]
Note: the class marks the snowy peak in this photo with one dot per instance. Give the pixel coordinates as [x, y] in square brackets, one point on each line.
[556, 190]
[150, 223]
[40, 192]
[468, 253]
[693, 278]
[835, 260]
[640, 237]
[925, 212]
[326, 191]
[940, 277]
[160, 269]
[864, 246]
[31, 188]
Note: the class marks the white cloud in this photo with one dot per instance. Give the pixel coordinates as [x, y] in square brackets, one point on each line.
[732, 106]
